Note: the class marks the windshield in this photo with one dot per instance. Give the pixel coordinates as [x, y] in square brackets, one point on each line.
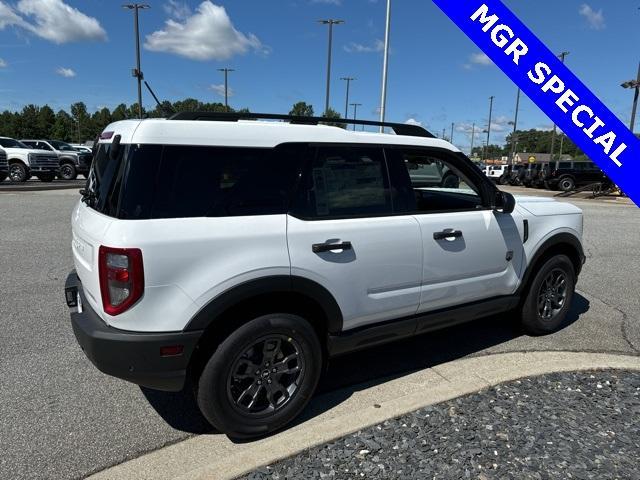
[11, 143]
[65, 147]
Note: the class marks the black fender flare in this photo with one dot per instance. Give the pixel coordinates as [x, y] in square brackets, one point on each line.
[559, 239]
[265, 285]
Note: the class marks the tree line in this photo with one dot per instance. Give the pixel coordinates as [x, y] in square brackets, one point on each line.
[78, 125]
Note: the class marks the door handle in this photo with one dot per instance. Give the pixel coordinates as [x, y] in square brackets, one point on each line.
[449, 233]
[327, 247]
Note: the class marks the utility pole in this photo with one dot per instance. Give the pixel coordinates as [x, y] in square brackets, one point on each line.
[226, 86]
[635, 84]
[331, 22]
[452, 125]
[385, 65]
[346, 103]
[473, 137]
[444, 133]
[137, 72]
[561, 56]
[355, 113]
[490, 115]
[515, 129]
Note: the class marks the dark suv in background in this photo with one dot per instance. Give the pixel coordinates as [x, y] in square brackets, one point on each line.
[72, 161]
[566, 176]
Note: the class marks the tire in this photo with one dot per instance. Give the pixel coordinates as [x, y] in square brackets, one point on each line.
[502, 180]
[18, 172]
[542, 313]
[566, 184]
[46, 177]
[67, 171]
[2, 177]
[231, 391]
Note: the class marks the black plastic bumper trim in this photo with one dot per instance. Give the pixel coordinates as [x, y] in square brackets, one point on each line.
[132, 356]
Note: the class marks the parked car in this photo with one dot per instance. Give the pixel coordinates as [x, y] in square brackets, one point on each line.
[566, 176]
[495, 172]
[539, 174]
[4, 165]
[25, 161]
[81, 148]
[294, 243]
[529, 175]
[72, 162]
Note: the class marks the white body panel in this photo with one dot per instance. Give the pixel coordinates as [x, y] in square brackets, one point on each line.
[394, 269]
[378, 279]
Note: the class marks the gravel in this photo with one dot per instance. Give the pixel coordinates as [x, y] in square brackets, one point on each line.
[569, 425]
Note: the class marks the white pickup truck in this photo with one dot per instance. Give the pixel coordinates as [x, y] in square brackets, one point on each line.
[25, 161]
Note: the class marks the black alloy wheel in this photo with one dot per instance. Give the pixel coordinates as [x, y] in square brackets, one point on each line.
[18, 172]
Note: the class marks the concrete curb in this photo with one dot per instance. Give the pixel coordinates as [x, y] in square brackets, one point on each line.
[44, 187]
[216, 457]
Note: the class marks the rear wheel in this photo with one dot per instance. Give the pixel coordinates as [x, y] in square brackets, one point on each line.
[549, 299]
[18, 172]
[451, 181]
[261, 376]
[68, 171]
[566, 184]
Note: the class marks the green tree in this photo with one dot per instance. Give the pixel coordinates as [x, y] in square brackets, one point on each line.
[62, 127]
[84, 129]
[302, 109]
[119, 113]
[46, 119]
[331, 113]
[100, 119]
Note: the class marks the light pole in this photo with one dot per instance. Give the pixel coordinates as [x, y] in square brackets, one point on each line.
[473, 137]
[444, 133]
[331, 22]
[226, 86]
[452, 126]
[561, 56]
[346, 103]
[385, 64]
[635, 84]
[137, 73]
[515, 129]
[355, 113]
[490, 115]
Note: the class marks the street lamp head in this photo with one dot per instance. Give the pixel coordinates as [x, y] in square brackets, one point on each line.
[330, 21]
[133, 6]
[631, 84]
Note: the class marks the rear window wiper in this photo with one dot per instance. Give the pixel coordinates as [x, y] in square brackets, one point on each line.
[88, 196]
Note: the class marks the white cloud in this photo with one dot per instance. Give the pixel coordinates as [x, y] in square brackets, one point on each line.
[479, 59]
[60, 23]
[8, 17]
[219, 90]
[52, 20]
[413, 121]
[177, 10]
[3, 64]
[65, 72]
[594, 18]
[377, 46]
[206, 35]
[332, 2]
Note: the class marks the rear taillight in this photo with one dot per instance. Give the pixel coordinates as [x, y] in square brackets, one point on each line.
[121, 278]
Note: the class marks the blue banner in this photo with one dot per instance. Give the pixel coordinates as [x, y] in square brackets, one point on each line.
[551, 85]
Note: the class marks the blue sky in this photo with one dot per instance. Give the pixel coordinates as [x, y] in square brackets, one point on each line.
[61, 51]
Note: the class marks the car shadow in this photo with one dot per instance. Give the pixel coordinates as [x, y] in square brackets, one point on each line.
[356, 371]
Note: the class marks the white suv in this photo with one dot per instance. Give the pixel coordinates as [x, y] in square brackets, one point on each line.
[25, 161]
[241, 255]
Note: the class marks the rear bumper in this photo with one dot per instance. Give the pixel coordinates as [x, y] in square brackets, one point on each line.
[131, 356]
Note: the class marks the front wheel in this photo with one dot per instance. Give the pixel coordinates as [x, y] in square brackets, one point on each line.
[261, 376]
[549, 299]
[67, 172]
[18, 173]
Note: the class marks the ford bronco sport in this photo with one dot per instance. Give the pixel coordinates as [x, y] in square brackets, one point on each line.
[295, 242]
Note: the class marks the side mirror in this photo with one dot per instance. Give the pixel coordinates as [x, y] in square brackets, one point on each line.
[506, 202]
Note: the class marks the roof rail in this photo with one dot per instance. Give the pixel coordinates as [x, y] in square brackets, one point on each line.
[403, 129]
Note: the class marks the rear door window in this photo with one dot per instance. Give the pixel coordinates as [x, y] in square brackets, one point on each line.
[344, 181]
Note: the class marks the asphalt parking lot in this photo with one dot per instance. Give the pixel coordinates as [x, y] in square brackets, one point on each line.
[61, 418]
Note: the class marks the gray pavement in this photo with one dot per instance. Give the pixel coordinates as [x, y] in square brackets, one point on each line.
[61, 418]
